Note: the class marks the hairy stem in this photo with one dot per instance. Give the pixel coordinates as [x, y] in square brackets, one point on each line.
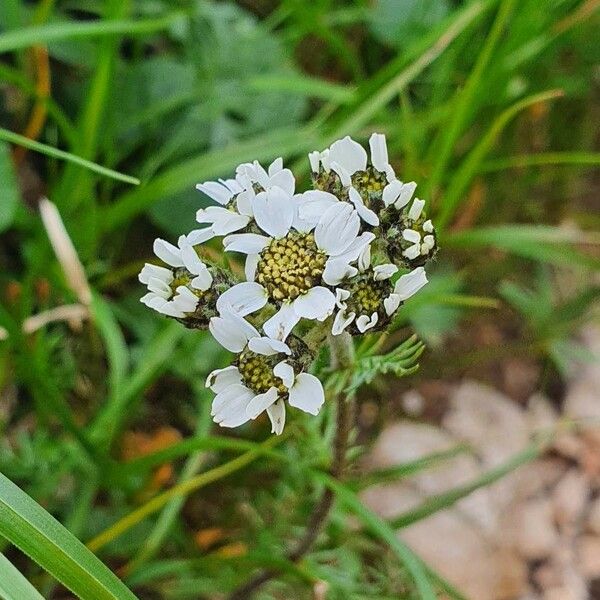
[342, 356]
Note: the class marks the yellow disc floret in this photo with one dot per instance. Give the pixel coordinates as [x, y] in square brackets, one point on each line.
[290, 266]
[257, 372]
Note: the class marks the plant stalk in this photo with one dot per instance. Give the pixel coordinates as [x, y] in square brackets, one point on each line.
[342, 358]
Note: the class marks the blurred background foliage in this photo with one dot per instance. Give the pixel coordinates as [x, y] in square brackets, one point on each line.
[490, 105]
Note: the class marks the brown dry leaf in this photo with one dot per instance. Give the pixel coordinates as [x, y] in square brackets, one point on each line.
[205, 538]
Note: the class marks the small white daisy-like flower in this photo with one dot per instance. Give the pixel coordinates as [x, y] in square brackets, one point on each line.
[421, 244]
[371, 299]
[264, 376]
[372, 182]
[294, 264]
[175, 290]
[236, 197]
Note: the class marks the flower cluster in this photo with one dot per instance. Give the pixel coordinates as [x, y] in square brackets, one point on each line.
[342, 256]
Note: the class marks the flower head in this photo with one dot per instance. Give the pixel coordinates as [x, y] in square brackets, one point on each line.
[297, 262]
[265, 375]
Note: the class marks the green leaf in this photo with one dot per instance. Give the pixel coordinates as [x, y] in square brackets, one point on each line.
[539, 242]
[42, 34]
[15, 138]
[400, 23]
[9, 190]
[400, 362]
[447, 499]
[39, 535]
[13, 585]
[383, 531]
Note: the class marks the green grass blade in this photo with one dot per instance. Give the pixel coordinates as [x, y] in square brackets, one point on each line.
[580, 159]
[407, 469]
[15, 138]
[114, 342]
[467, 97]
[206, 166]
[469, 167]
[13, 585]
[359, 115]
[537, 242]
[39, 535]
[182, 489]
[43, 34]
[448, 499]
[150, 366]
[312, 87]
[383, 531]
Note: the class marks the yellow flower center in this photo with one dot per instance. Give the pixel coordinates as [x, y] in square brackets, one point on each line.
[290, 266]
[370, 181]
[367, 295]
[257, 372]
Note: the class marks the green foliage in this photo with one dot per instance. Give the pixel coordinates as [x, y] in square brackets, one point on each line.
[401, 361]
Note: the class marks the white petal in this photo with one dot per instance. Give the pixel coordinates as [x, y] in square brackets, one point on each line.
[317, 303]
[382, 272]
[391, 304]
[428, 226]
[313, 204]
[366, 214]
[203, 281]
[344, 174]
[416, 209]
[337, 228]
[349, 154]
[358, 247]
[219, 379]
[190, 258]
[364, 258]
[428, 243]
[217, 191]
[213, 214]
[285, 180]
[412, 252]
[340, 297]
[274, 212]
[233, 223]
[307, 394]
[168, 253]
[410, 235]
[364, 323]
[185, 300]
[261, 402]
[314, 158]
[276, 414]
[268, 346]
[406, 193]
[279, 326]
[391, 192]
[341, 321]
[409, 284]
[247, 243]
[337, 270]
[275, 166]
[379, 153]
[229, 406]
[161, 305]
[245, 200]
[243, 298]
[158, 286]
[231, 331]
[250, 266]
[285, 372]
[199, 236]
[155, 272]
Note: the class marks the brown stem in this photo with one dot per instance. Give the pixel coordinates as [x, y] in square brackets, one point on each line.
[342, 355]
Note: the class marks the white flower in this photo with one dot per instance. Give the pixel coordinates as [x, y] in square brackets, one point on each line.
[293, 264]
[175, 291]
[349, 160]
[421, 245]
[236, 197]
[263, 378]
[371, 298]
